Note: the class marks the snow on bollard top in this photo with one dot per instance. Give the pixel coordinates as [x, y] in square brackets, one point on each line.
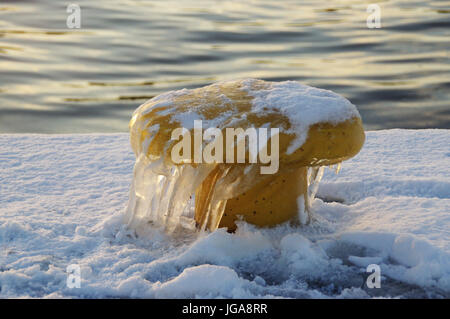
[304, 105]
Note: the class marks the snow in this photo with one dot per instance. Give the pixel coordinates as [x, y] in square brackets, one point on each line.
[62, 200]
[304, 106]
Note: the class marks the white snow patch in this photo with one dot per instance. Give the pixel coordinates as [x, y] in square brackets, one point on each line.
[202, 281]
[63, 198]
[304, 106]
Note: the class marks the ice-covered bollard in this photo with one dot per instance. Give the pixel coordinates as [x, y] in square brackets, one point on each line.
[315, 128]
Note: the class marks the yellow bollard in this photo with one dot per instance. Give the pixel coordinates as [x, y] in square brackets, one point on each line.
[230, 191]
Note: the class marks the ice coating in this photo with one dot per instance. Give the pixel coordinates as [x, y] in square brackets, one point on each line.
[317, 128]
[164, 197]
[161, 195]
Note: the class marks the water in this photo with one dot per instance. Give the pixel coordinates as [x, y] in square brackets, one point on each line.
[59, 80]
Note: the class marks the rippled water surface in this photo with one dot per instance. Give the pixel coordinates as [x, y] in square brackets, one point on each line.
[55, 79]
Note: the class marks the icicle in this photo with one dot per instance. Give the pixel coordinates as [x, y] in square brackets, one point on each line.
[338, 168]
[303, 214]
[314, 176]
[161, 195]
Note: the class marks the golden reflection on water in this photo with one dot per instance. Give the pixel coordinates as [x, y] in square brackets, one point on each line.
[54, 78]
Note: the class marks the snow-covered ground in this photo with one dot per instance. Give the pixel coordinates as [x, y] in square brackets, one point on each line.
[62, 198]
